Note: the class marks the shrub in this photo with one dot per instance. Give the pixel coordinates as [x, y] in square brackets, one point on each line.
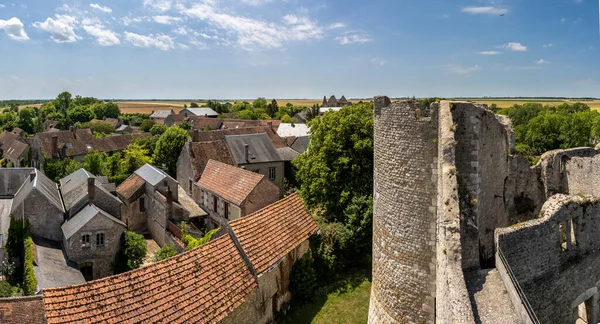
[303, 278]
[165, 252]
[158, 129]
[5, 289]
[29, 280]
[146, 125]
[131, 253]
[192, 243]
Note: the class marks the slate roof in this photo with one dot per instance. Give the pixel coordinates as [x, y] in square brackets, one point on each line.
[260, 148]
[201, 152]
[82, 217]
[287, 129]
[199, 112]
[162, 113]
[220, 134]
[130, 186]
[43, 185]
[74, 187]
[151, 174]
[269, 234]
[201, 285]
[287, 153]
[230, 182]
[301, 144]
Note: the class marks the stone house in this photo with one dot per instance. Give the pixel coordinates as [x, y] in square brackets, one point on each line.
[161, 114]
[252, 262]
[153, 201]
[91, 238]
[38, 200]
[227, 192]
[193, 159]
[256, 153]
[333, 102]
[14, 148]
[82, 188]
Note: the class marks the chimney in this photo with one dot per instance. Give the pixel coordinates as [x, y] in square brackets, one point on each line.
[74, 131]
[91, 188]
[196, 136]
[293, 124]
[270, 124]
[31, 176]
[185, 114]
[54, 144]
[169, 202]
[205, 115]
[246, 153]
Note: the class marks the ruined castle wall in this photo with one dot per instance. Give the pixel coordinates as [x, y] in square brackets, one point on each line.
[583, 175]
[404, 218]
[553, 275]
[452, 302]
[553, 168]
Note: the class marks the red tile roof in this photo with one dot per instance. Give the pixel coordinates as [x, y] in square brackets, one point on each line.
[130, 186]
[229, 182]
[271, 233]
[201, 285]
[18, 310]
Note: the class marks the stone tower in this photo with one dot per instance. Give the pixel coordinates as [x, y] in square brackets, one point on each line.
[404, 215]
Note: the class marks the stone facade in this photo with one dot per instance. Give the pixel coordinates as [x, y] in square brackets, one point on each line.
[44, 217]
[263, 168]
[100, 256]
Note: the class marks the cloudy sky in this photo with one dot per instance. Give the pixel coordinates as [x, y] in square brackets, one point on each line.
[298, 48]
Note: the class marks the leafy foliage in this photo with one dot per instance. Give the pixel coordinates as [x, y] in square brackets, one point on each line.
[165, 252]
[303, 278]
[131, 252]
[146, 125]
[168, 147]
[158, 130]
[5, 289]
[29, 280]
[191, 242]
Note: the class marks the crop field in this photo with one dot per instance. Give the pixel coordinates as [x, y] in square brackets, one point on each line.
[505, 103]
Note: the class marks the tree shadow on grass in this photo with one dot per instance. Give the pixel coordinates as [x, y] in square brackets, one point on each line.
[302, 312]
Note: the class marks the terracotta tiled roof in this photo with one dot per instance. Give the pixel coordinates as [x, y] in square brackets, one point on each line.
[18, 310]
[201, 285]
[14, 149]
[201, 123]
[220, 134]
[271, 233]
[230, 182]
[130, 186]
[201, 152]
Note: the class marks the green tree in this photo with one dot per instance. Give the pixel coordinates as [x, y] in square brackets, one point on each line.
[287, 119]
[8, 121]
[84, 101]
[102, 128]
[146, 125]
[303, 278]
[168, 147]
[63, 102]
[165, 252]
[71, 166]
[81, 114]
[259, 102]
[272, 108]
[131, 252]
[193, 105]
[135, 156]
[112, 165]
[247, 114]
[158, 130]
[27, 117]
[94, 162]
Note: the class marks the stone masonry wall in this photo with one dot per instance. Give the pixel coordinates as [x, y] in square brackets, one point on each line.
[452, 302]
[583, 175]
[404, 219]
[555, 275]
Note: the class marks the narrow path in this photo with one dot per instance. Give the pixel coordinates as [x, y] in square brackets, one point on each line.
[489, 298]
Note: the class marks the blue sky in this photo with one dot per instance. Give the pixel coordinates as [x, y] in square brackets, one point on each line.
[298, 48]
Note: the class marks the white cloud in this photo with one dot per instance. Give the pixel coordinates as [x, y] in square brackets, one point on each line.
[563, 19]
[252, 33]
[548, 45]
[61, 29]
[159, 5]
[488, 53]
[462, 70]
[353, 39]
[104, 37]
[101, 8]
[166, 20]
[578, 20]
[484, 10]
[256, 2]
[336, 26]
[1, 5]
[127, 21]
[379, 61]
[515, 47]
[161, 41]
[542, 62]
[14, 29]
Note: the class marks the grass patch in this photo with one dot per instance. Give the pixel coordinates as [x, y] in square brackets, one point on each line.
[344, 300]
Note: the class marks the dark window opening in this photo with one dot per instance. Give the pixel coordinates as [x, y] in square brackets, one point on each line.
[87, 270]
[100, 239]
[142, 205]
[85, 241]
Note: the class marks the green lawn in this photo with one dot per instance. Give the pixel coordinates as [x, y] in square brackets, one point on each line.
[345, 300]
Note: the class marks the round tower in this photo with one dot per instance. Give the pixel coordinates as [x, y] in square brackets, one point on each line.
[404, 214]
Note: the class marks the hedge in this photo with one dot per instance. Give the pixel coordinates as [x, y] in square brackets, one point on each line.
[29, 281]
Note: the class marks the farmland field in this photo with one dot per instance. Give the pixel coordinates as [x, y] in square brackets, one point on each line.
[505, 103]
